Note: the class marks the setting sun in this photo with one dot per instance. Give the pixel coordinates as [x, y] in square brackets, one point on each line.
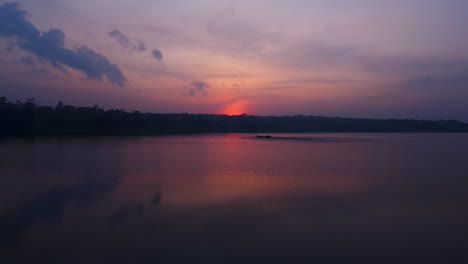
[236, 108]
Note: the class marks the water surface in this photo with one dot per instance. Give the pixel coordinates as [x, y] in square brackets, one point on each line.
[233, 198]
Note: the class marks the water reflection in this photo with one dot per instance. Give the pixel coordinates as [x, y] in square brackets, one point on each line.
[48, 207]
[119, 216]
[231, 199]
[156, 200]
[140, 208]
[311, 138]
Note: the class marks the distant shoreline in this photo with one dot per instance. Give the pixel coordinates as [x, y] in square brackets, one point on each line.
[29, 119]
[136, 135]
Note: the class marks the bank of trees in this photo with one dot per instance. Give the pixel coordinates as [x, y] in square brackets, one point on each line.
[29, 118]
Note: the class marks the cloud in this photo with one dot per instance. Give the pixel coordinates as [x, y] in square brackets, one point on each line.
[317, 55]
[120, 37]
[14, 24]
[137, 45]
[157, 54]
[49, 46]
[141, 46]
[125, 42]
[233, 32]
[195, 88]
[446, 82]
[28, 60]
[414, 65]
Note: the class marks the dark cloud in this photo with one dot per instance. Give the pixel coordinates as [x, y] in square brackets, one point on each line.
[120, 37]
[14, 24]
[157, 54]
[28, 60]
[125, 42]
[137, 45]
[195, 88]
[141, 46]
[49, 46]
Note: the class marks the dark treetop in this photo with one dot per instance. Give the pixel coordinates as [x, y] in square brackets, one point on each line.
[30, 119]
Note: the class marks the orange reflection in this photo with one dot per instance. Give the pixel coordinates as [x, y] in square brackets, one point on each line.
[210, 169]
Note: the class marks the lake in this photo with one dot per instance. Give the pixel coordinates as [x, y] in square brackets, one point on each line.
[234, 198]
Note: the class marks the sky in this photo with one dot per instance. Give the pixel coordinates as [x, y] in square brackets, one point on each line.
[353, 58]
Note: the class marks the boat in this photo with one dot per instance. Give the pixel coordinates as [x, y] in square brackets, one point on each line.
[267, 136]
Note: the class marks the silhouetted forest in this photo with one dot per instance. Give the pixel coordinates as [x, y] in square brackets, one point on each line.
[30, 119]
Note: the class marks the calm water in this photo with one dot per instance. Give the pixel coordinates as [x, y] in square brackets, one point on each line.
[328, 198]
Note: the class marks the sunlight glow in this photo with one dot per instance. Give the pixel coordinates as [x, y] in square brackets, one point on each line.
[236, 108]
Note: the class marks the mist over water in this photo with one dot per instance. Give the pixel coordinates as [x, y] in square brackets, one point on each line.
[235, 198]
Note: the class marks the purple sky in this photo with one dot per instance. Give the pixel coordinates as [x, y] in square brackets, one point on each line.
[353, 58]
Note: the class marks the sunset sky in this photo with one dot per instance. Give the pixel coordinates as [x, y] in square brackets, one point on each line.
[349, 58]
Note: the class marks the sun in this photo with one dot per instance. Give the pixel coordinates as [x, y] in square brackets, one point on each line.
[236, 108]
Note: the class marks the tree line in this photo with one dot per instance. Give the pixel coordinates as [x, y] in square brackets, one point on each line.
[31, 119]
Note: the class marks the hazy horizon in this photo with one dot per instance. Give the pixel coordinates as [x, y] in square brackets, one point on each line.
[358, 58]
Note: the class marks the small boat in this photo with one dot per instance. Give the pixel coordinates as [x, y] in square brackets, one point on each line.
[267, 136]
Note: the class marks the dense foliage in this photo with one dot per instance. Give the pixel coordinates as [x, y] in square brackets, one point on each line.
[28, 118]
